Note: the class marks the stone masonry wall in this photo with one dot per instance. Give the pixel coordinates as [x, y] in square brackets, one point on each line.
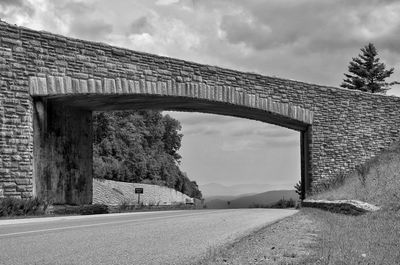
[348, 127]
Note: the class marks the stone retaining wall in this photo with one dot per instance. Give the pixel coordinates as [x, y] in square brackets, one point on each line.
[115, 193]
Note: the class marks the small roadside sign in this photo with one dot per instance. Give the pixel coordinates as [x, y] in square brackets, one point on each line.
[138, 191]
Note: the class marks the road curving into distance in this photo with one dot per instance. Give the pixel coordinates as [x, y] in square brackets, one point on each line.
[169, 237]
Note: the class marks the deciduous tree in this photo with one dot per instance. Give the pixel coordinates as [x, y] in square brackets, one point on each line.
[139, 147]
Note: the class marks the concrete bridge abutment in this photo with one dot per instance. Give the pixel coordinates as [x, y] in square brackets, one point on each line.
[62, 153]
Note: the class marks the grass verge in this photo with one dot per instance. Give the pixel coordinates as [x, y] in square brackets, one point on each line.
[289, 241]
[377, 181]
[372, 238]
[317, 237]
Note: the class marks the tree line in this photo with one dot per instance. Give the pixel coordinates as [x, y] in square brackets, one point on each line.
[140, 147]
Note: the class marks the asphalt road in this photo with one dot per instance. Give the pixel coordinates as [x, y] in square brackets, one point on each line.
[170, 237]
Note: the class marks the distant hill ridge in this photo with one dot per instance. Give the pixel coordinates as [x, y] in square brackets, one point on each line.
[246, 201]
[216, 189]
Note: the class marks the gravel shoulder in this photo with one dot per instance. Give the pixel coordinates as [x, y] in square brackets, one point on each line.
[289, 241]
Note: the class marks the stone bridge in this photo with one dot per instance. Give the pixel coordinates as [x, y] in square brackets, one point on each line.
[51, 84]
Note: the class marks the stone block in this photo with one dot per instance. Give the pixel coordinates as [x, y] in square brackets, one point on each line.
[125, 86]
[26, 195]
[118, 52]
[18, 49]
[91, 86]
[21, 188]
[41, 86]
[98, 86]
[23, 181]
[7, 151]
[109, 86]
[9, 185]
[82, 58]
[11, 41]
[83, 86]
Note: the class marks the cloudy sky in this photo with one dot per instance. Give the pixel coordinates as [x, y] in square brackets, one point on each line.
[306, 40]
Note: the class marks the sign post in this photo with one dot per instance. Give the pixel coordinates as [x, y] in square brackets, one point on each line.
[138, 191]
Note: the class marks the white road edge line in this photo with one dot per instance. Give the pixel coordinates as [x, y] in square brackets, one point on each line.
[73, 217]
[98, 224]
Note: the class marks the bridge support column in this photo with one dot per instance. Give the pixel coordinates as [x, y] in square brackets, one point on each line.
[305, 139]
[62, 153]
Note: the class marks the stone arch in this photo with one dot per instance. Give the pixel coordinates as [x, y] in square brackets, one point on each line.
[50, 84]
[108, 93]
[63, 106]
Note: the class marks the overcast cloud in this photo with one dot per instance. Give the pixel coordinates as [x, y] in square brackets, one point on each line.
[307, 40]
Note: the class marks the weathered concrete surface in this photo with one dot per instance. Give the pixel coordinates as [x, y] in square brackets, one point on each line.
[339, 128]
[353, 207]
[63, 153]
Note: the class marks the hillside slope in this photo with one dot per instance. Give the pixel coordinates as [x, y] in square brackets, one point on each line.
[376, 182]
[371, 238]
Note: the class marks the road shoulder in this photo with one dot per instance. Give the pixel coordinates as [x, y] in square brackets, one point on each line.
[291, 240]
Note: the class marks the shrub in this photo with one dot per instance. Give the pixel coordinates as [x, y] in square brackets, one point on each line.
[93, 209]
[18, 207]
[282, 203]
[125, 206]
[297, 188]
[362, 172]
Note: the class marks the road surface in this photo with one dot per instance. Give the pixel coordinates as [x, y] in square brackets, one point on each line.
[169, 237]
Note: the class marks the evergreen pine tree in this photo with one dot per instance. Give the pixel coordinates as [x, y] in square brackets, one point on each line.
[367, 73]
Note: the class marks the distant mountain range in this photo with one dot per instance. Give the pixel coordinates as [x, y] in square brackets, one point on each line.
[215, 189]
[246, 201]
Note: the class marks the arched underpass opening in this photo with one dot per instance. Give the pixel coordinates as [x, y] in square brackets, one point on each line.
[63, 137]
[239, 163]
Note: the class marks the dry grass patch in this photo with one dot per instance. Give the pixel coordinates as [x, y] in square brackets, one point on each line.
[317, 237]
[372, 238]
[376, 182]
[289, 241]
